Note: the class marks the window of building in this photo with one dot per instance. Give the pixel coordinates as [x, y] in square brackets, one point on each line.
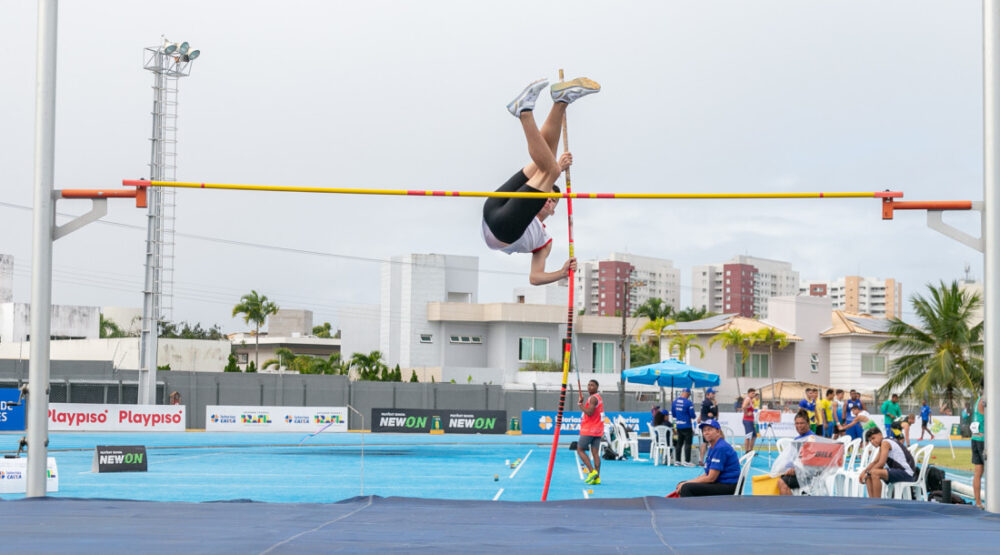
[533, 349]
[757, 365]
[604, 357]
[241, 358]
[467, 339]
[814, 362]
[426, 338]
[872, 363]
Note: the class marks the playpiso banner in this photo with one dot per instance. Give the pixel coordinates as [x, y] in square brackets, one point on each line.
[450, 421]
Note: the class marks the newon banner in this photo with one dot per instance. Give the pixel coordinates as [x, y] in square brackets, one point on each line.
[82, 417]
[224, 418]
[447, 421]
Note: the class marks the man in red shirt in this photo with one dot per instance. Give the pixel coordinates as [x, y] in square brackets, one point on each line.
[591, 431]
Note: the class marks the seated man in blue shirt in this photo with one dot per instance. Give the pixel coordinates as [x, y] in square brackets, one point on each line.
[722, 466]
[789, 480]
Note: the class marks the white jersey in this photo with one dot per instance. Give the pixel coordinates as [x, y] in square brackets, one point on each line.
[532, 240]
[896, 454]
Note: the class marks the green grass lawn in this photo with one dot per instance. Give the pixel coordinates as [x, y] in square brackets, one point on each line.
[941, 457]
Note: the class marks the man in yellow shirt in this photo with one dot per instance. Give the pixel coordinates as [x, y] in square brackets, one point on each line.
[824, 413]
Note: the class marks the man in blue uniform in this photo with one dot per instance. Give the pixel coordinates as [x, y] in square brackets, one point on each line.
[854, 431]
[683, 413]
[925, 421]
[722, 466]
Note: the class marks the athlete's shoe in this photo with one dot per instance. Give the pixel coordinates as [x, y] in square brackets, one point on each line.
[569, 91]
[591, 476]
[526, 100]
[595, 481]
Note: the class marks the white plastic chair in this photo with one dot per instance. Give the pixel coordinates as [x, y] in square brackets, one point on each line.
[628, 438]
[660, 446]
[745, 462]
[839, 483]
[783, 443]
[852, 488]
[905, 490]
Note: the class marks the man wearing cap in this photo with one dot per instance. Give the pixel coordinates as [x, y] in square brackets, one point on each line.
[722, 466]
[683, 413]
[709, 410]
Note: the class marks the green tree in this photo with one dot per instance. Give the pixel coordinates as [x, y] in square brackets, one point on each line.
[369, 367]
[231, 365]
[184, 330]
[771, 338]
[413, 376]
[655, 309]
[656, 329]
[109, 329]
[643, 354]
[683, 343]
[322, 331]
[943, 354]
[251, 368]
[255, 308]
[691, 314]
[738, 340]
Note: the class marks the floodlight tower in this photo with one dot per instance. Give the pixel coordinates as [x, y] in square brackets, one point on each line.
[169, 62]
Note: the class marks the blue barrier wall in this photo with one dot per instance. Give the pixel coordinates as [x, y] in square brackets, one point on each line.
[11, 417]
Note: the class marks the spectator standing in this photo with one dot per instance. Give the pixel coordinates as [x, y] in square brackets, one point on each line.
[891, 411]
[749, 433]
[709, 411]
[925, 421]
[855, 430]
[824, 414]
[809, 405]
[683, 413]
[175, 398]
[841, 415]
[722, 466]
[978, 428]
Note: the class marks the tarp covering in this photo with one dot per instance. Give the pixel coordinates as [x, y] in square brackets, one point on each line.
[815, 460]
[374, 524]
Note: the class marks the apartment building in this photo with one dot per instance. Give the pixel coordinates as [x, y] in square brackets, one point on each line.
[601, 284]
[881, 298]
[742, 285]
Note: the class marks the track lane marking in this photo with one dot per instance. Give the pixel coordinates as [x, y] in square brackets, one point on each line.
[524, 460]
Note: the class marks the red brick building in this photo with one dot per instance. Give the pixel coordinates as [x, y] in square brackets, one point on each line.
[738, 285]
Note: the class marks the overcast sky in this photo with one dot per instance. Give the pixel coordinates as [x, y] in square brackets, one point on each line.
[781, 95]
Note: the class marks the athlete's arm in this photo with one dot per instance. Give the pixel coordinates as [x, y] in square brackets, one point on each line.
[590, 407]
[539, 276]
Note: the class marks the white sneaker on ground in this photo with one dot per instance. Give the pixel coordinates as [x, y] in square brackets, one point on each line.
[526, 100]
[569, 91]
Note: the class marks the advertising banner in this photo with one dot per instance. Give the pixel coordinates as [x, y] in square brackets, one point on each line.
[450, 421]
[82, 417]
[14, 472]
[11, 414]
[543, 421]
[224, 418]
[119, 458]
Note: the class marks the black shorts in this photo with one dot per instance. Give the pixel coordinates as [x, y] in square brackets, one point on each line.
[507, 218]
[588, 442]
[790, 480]
[978, 457]
[702, 489]
[898, 475]
[925, 424]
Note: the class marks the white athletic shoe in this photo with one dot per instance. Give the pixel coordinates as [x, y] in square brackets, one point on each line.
[526, 100]
[569, 91]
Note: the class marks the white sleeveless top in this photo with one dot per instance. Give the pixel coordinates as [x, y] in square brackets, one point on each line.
[532, 240]
[896, 454]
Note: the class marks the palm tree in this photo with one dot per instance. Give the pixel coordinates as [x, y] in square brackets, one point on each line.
[944, 352]
[683, 343]
[654, 309]
[255, 308]
[772, 338]
[691, 314]
[739, 340]
[657, 329]
[369, 366]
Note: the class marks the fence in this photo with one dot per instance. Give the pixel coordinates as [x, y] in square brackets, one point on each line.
[98, 382]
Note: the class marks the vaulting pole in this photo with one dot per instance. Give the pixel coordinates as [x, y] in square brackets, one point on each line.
[568, 341]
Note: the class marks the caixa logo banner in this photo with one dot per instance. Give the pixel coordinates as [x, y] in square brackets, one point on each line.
[444, 421]
[225, 418]
[544, 422]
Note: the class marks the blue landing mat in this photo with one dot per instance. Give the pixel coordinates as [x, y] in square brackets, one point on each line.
[362, 524]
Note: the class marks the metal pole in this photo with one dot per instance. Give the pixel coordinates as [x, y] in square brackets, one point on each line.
[151, 289]
[991, 251]
[41, 260]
